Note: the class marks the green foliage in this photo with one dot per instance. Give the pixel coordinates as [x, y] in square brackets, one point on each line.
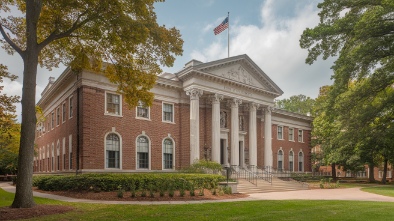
[128, 182]
[356, 120]
[203, 166]
[120, 191]
[298, 104]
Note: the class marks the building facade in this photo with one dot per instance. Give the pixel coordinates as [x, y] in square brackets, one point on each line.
[221, 110]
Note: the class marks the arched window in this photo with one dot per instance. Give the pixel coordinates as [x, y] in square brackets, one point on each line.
[142, 152]
[280, 160]
[168, 153]
[300, 162]
[112, 151]
[58, 155]
[291, 161]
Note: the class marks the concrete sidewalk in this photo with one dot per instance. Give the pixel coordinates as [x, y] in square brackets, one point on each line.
[315, 194]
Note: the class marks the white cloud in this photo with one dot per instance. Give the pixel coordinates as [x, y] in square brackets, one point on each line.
[274, 46]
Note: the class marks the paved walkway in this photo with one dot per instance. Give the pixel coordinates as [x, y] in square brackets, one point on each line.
[315, 194]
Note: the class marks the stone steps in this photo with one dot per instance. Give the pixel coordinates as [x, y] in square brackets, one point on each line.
[262, 186]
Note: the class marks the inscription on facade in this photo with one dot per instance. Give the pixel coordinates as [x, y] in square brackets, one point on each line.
[237, 91]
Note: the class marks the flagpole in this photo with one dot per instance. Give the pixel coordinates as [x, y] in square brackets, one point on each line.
[228, 34]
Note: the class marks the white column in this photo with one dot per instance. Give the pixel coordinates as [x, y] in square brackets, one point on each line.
[194, 123]
[267, 137]
[234, 103]
[215, 99]
[252, 134]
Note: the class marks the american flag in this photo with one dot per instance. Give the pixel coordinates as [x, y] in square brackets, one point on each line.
[221, 27]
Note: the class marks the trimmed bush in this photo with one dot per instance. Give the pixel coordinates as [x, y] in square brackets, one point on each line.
[129, 182]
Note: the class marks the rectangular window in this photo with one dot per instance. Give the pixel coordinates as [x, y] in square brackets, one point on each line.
[70, 151]
[52, 120]
[57, 116]
[291, 134]
[113, 159]
[113, 104]
[388, 175]
[168, 112]
[142, 110]
[70, 107]
[300, 136]
[64, 112]
[143, 160]
[280, 132]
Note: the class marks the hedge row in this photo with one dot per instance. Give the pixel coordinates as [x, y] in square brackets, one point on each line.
[140, 181]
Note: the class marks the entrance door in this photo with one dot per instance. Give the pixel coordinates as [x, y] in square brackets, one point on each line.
[222, 151]
[241, 154]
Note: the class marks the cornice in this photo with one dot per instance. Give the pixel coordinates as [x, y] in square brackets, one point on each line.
[291, 114]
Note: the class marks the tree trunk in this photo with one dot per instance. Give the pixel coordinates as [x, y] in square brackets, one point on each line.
[24, 194]
[384, 171]
[371, 177]
[333, 172]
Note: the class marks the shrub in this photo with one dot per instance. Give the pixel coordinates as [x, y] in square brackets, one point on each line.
[129, 182]
[203, 166]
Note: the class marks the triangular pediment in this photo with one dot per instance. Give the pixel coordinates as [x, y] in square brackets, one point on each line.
[239, 69]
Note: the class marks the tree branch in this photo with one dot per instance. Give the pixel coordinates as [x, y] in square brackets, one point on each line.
[77, 24]
[9, 41]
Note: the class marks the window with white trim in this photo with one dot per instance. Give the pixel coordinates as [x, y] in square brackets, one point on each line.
[53, 157]
[112, 151]
[291, 161]
[113, 104]
[70, 107]
[70, 152]
[280, 133]
[300, 162]
[143, 110]
[388, 175]
[58, 116]
[142, 152]
[280, 160]
[168, 112]
[63, 112]
[58, 155]
[300, 136]
[291, 134]
[64, 153]
[168, 153]
[52, 120]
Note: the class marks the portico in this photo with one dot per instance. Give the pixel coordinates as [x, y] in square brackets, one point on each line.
[231, 86]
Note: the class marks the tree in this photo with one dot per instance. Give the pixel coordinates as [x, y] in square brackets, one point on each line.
[297, 104]
[360, 34]
[82, 33]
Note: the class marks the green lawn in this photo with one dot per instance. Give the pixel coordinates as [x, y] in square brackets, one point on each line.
[252, 210]
[385, 190]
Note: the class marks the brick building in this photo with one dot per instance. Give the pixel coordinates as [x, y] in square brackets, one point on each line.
[221, 110]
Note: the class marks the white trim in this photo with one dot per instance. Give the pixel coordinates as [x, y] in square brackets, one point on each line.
[291, 168]
[149, 152]
[120, 104]
[277, 132]
[57, 162]
[173, 152]
[173, 112]
[288, 129]
[302, 136]
[277, 159]
[142, 118]
[303, 161]
[70, 151]
[70, 107]
[105, 150]
[64, 153]
[64, 112]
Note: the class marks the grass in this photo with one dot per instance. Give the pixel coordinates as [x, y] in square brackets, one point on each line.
[385, 190]
[251, 210]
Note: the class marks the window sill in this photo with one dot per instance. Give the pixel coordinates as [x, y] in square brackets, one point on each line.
[143, 118]
[113, 115]
[168, 122]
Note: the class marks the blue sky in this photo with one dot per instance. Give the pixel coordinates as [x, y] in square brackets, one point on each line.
[268, 31]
